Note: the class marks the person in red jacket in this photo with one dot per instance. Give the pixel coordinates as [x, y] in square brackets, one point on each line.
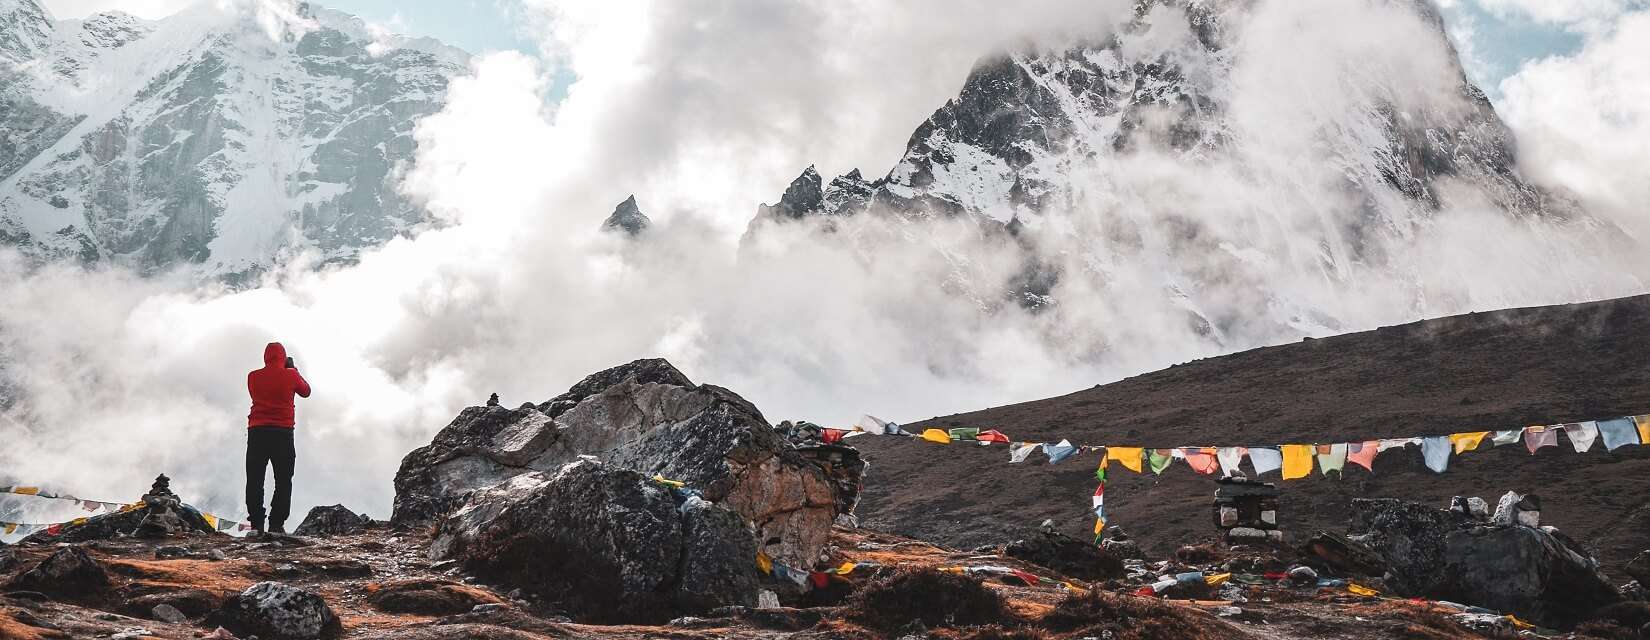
[269, 435]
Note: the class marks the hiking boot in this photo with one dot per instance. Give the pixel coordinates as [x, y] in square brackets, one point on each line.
[277, 527]
[257, 526]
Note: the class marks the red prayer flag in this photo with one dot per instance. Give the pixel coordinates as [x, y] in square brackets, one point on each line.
[1202, 460]
[820, 579]
[1363, 453]
[831, 436]
[992, 436]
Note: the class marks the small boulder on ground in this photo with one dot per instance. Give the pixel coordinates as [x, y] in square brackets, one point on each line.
[1066, 555]
[70, 572]
[276, 611]
[1513, 568]
[8, 558]
[336, 520]
[429, 597]
[141, 599]
[167, 613]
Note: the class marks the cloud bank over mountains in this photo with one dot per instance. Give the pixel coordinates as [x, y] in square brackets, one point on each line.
[703, 109]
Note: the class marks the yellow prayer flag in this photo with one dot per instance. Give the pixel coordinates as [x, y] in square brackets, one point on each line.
[211, 520]
[673, 483]
[27, 491]
[1129, 456]
[937, 435]
[1465, 442]
[1361, 590]
[846, 568]
[1297, 461]
[1073, 588]
[1217, 579]
[1644, 428]
[1519, 623]
[956, 570]
[10, 527]
[764, 563]
[77, 522]
[1099, 525]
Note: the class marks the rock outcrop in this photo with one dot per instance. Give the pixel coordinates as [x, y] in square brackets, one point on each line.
[1532, 572]
[606, 543]
[644, 416]
[69, 573]
[276, 611]
[336, 520]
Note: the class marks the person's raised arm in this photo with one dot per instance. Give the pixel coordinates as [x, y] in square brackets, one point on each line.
[300, 386]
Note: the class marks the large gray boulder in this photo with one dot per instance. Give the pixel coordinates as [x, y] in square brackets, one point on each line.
[277, 611]
[607, 544]
[644, 416]
[1528, 571]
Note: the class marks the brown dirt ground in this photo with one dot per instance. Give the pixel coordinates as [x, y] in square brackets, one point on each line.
[1273, 612]
[1497, 370]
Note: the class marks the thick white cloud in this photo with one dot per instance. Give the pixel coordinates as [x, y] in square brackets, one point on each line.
[1586, 15]
[704, 108]
[1584, 121]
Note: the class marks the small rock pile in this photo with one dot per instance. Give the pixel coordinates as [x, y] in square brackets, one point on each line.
[162, 514]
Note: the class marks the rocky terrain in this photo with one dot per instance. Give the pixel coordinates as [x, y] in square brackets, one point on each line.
[212, 138]
[640, 504]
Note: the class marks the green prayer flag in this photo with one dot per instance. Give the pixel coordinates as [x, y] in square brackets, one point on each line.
[1159, 459]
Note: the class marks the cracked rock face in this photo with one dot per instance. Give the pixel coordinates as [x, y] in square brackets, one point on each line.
[609, 544]
[644, 416]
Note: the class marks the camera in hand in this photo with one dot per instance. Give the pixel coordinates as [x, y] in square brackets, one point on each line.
[289, 363]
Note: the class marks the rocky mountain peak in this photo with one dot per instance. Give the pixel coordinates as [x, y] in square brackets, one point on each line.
[25, 29]
[207, 141]
[628, 218]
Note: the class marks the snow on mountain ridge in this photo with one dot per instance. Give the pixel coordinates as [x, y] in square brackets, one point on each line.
[1188, 154]
[219, 136]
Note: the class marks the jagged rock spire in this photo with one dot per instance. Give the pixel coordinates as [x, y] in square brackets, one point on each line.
[627, 217]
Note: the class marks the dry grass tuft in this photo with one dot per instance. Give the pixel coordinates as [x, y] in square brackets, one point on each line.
[1123, 617]
[934, 598]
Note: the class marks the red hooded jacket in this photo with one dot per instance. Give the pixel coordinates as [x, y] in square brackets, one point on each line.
[271, 388]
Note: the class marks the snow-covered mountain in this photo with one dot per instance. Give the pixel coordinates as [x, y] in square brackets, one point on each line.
[1140, 159]
[224, 136]
[1004, 147]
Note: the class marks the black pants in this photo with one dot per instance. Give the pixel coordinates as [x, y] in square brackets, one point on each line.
[269, 446]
